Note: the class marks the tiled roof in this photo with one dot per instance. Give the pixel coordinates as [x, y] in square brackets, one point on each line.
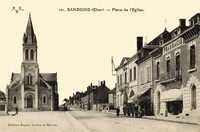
[49, 76]
[15, 76]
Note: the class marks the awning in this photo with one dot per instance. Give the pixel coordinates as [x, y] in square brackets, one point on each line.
[132, 99]
[140, 93]
[171, 95]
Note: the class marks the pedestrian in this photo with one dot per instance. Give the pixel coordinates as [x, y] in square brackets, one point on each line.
[117, 111]
[124, 110]
[128, 110]
[133, 110]
[16, 109]
[136, 110]
[64, 107]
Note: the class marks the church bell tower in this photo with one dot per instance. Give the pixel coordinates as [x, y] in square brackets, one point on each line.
[29, 68]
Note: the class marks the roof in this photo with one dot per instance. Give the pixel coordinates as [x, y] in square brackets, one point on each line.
[14, 76]
[49, 76]
[123, 61]
[198, 14]
[29, 35]
[2, 94]
[112, 91]
[150, 46]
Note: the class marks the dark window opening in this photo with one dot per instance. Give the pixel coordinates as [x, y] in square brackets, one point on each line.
[15, 100]
[32, 54]
[178, 71]
[192, 57]
[168, 65]
[134, 73]
[44, 99]
[26, 54]
[130, 75]
[125, 77]
[158, 70]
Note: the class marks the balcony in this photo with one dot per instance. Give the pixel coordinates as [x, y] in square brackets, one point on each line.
[174, 74]
[122, 86]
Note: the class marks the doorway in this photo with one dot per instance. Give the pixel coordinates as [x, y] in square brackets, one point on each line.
[158, 102]
[29, 101]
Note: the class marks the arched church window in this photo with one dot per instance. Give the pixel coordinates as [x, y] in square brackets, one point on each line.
[44, 100]
[15, 100]
[32, 54]
[26, 54]
[29, 79]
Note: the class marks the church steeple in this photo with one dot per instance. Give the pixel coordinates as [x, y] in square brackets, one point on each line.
[29, 43]
[29, 35]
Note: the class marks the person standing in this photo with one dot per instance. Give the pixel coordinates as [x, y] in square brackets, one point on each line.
[124, 110]
[117, 111]
[16, 109]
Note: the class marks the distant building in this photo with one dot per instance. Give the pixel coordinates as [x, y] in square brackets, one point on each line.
[3, 104]
[31, 90]
[95, 96]
[76, 100]
[112, 98]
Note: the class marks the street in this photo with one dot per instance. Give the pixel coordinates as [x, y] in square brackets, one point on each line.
[86, 121]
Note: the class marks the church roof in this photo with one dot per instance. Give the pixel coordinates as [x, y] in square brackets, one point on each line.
[15, 76]
[29, 35]
[49, 76]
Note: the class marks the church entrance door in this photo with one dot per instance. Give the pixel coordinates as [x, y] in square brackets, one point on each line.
[30, 102]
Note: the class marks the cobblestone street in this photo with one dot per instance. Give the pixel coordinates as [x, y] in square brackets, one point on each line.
[86, 121]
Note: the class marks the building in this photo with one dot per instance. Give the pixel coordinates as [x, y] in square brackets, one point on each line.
[95, 97]
[76, 100]
[3, 104]
[126, 85]
[112, 98]
[177, 90]
[31, 90]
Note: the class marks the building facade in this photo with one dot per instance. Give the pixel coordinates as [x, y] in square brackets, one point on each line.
[95, 96]
[31, 90]
[126, 86]
[167, 72]
[112, 98]
[177, 89]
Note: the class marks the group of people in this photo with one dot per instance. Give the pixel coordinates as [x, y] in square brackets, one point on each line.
[133, 110]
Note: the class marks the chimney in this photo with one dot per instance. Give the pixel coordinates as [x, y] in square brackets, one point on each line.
[182, 23]
[139, 43]
[104, 83]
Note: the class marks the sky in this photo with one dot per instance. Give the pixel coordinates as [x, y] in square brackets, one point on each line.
[78, 45]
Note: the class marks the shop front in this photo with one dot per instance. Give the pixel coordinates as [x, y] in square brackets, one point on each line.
[145, 101]
[174, 101]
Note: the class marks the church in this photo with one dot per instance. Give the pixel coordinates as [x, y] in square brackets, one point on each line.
[31, 90]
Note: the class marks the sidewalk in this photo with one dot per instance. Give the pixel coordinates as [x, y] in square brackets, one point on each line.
[184, 119]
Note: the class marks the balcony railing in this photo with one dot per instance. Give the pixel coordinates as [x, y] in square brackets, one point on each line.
[122, 86]
[174, 74]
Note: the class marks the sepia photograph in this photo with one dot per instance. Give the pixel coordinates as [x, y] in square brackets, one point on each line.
[100, 66]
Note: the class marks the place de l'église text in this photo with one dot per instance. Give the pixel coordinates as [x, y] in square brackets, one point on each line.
[101, 9]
